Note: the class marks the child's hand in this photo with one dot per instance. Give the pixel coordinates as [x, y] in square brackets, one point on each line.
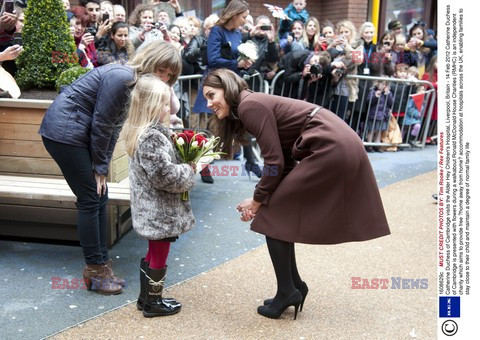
[378, 93]
[194, 167]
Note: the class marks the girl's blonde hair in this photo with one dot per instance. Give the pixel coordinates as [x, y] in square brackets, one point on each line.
[350, 26]
[235, 7]
[158, 55]
[148, 100]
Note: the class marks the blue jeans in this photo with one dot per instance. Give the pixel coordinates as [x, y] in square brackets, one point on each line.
[76, 165]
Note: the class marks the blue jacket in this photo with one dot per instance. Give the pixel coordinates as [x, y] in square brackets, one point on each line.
[412, 115]
[292, 13]
[90, 113]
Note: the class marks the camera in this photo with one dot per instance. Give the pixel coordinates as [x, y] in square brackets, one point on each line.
[105, 17]
[386, 44]
[316, 69]
[339, 71]
[158, 24]
[265, 27]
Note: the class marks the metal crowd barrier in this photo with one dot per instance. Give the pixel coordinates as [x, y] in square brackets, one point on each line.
[355, 114]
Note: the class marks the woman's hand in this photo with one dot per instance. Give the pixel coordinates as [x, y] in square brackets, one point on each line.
[248, 208]
[11, 52]
[306, 70]
[87, 39]
[101, 184]
[103, 28]
[245, 63]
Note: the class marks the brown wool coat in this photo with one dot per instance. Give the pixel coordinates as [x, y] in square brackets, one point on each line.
[331, 195]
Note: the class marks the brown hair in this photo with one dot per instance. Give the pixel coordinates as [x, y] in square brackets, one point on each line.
[134, 19]
[230, 129]
[235, 7]
[81, 14]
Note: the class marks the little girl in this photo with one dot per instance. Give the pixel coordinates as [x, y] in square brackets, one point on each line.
[157, 178]
[380, 105]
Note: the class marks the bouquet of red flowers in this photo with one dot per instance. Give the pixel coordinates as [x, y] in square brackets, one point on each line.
[194, 147]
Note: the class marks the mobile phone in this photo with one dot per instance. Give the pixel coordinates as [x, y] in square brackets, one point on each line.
[17, 39]
[164, 0]
[265, 27]
[9, 6]
[105, 17]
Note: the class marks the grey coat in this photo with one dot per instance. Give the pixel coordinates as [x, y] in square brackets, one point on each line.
[157, 179]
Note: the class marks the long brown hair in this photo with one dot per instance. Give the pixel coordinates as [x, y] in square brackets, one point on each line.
[235, 7]
[229, 129]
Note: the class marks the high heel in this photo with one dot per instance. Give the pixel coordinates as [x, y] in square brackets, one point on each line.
[303, 289]
[252, 167]
[294, 300]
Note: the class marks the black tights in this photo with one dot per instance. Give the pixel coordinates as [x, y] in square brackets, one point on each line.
[284, 263]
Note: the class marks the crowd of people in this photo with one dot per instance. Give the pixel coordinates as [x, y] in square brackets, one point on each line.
[315, 57]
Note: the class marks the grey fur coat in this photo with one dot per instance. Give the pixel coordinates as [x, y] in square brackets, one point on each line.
[157, 178]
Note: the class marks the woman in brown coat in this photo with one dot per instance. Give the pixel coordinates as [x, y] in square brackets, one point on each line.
[317, 186]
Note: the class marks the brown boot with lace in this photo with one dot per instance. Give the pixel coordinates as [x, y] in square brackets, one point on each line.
[116, 279]
[97, 277]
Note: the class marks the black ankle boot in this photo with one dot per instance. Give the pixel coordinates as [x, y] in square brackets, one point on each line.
[154, 304]
[274, 310]
[303, 289]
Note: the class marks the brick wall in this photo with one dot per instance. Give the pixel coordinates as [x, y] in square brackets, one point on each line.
[334, 10]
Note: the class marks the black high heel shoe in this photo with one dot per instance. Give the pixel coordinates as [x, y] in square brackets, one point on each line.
[294, 300]
[249, 167]
[303, 289]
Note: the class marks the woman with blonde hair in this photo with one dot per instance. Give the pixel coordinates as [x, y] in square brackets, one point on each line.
[157, 177]
[311, 33]
[343, 48]
[82, 145]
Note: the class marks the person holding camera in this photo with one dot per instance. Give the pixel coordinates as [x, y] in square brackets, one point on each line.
[263, 35]
[295, 34]
[143, 30]
[8, 20]
[86, 51]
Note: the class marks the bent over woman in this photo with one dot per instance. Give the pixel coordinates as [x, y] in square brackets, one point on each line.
[317, 185]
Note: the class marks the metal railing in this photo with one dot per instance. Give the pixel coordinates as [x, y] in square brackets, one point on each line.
[358, 114]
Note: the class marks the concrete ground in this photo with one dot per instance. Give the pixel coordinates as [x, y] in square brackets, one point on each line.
[221, 272]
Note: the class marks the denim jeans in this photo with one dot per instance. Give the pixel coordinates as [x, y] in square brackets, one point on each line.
[76, 165]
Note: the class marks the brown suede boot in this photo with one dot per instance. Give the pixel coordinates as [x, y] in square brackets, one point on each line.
[97, 278]
[116, 279]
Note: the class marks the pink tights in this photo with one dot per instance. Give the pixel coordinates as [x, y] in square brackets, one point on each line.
[157, 254]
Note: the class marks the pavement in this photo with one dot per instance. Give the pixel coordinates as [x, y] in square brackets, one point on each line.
[221, 272]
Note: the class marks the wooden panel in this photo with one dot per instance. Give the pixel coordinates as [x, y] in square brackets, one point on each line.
[38, 214]
[35, 203]
[118, 167]
[21, 115]
[39, 230]
[20, 148]
[119, 150]
[19, 132]
[27, 165]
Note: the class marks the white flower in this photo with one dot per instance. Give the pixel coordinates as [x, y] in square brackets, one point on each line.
[248, 50]
[194, 144]
[180, 141]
